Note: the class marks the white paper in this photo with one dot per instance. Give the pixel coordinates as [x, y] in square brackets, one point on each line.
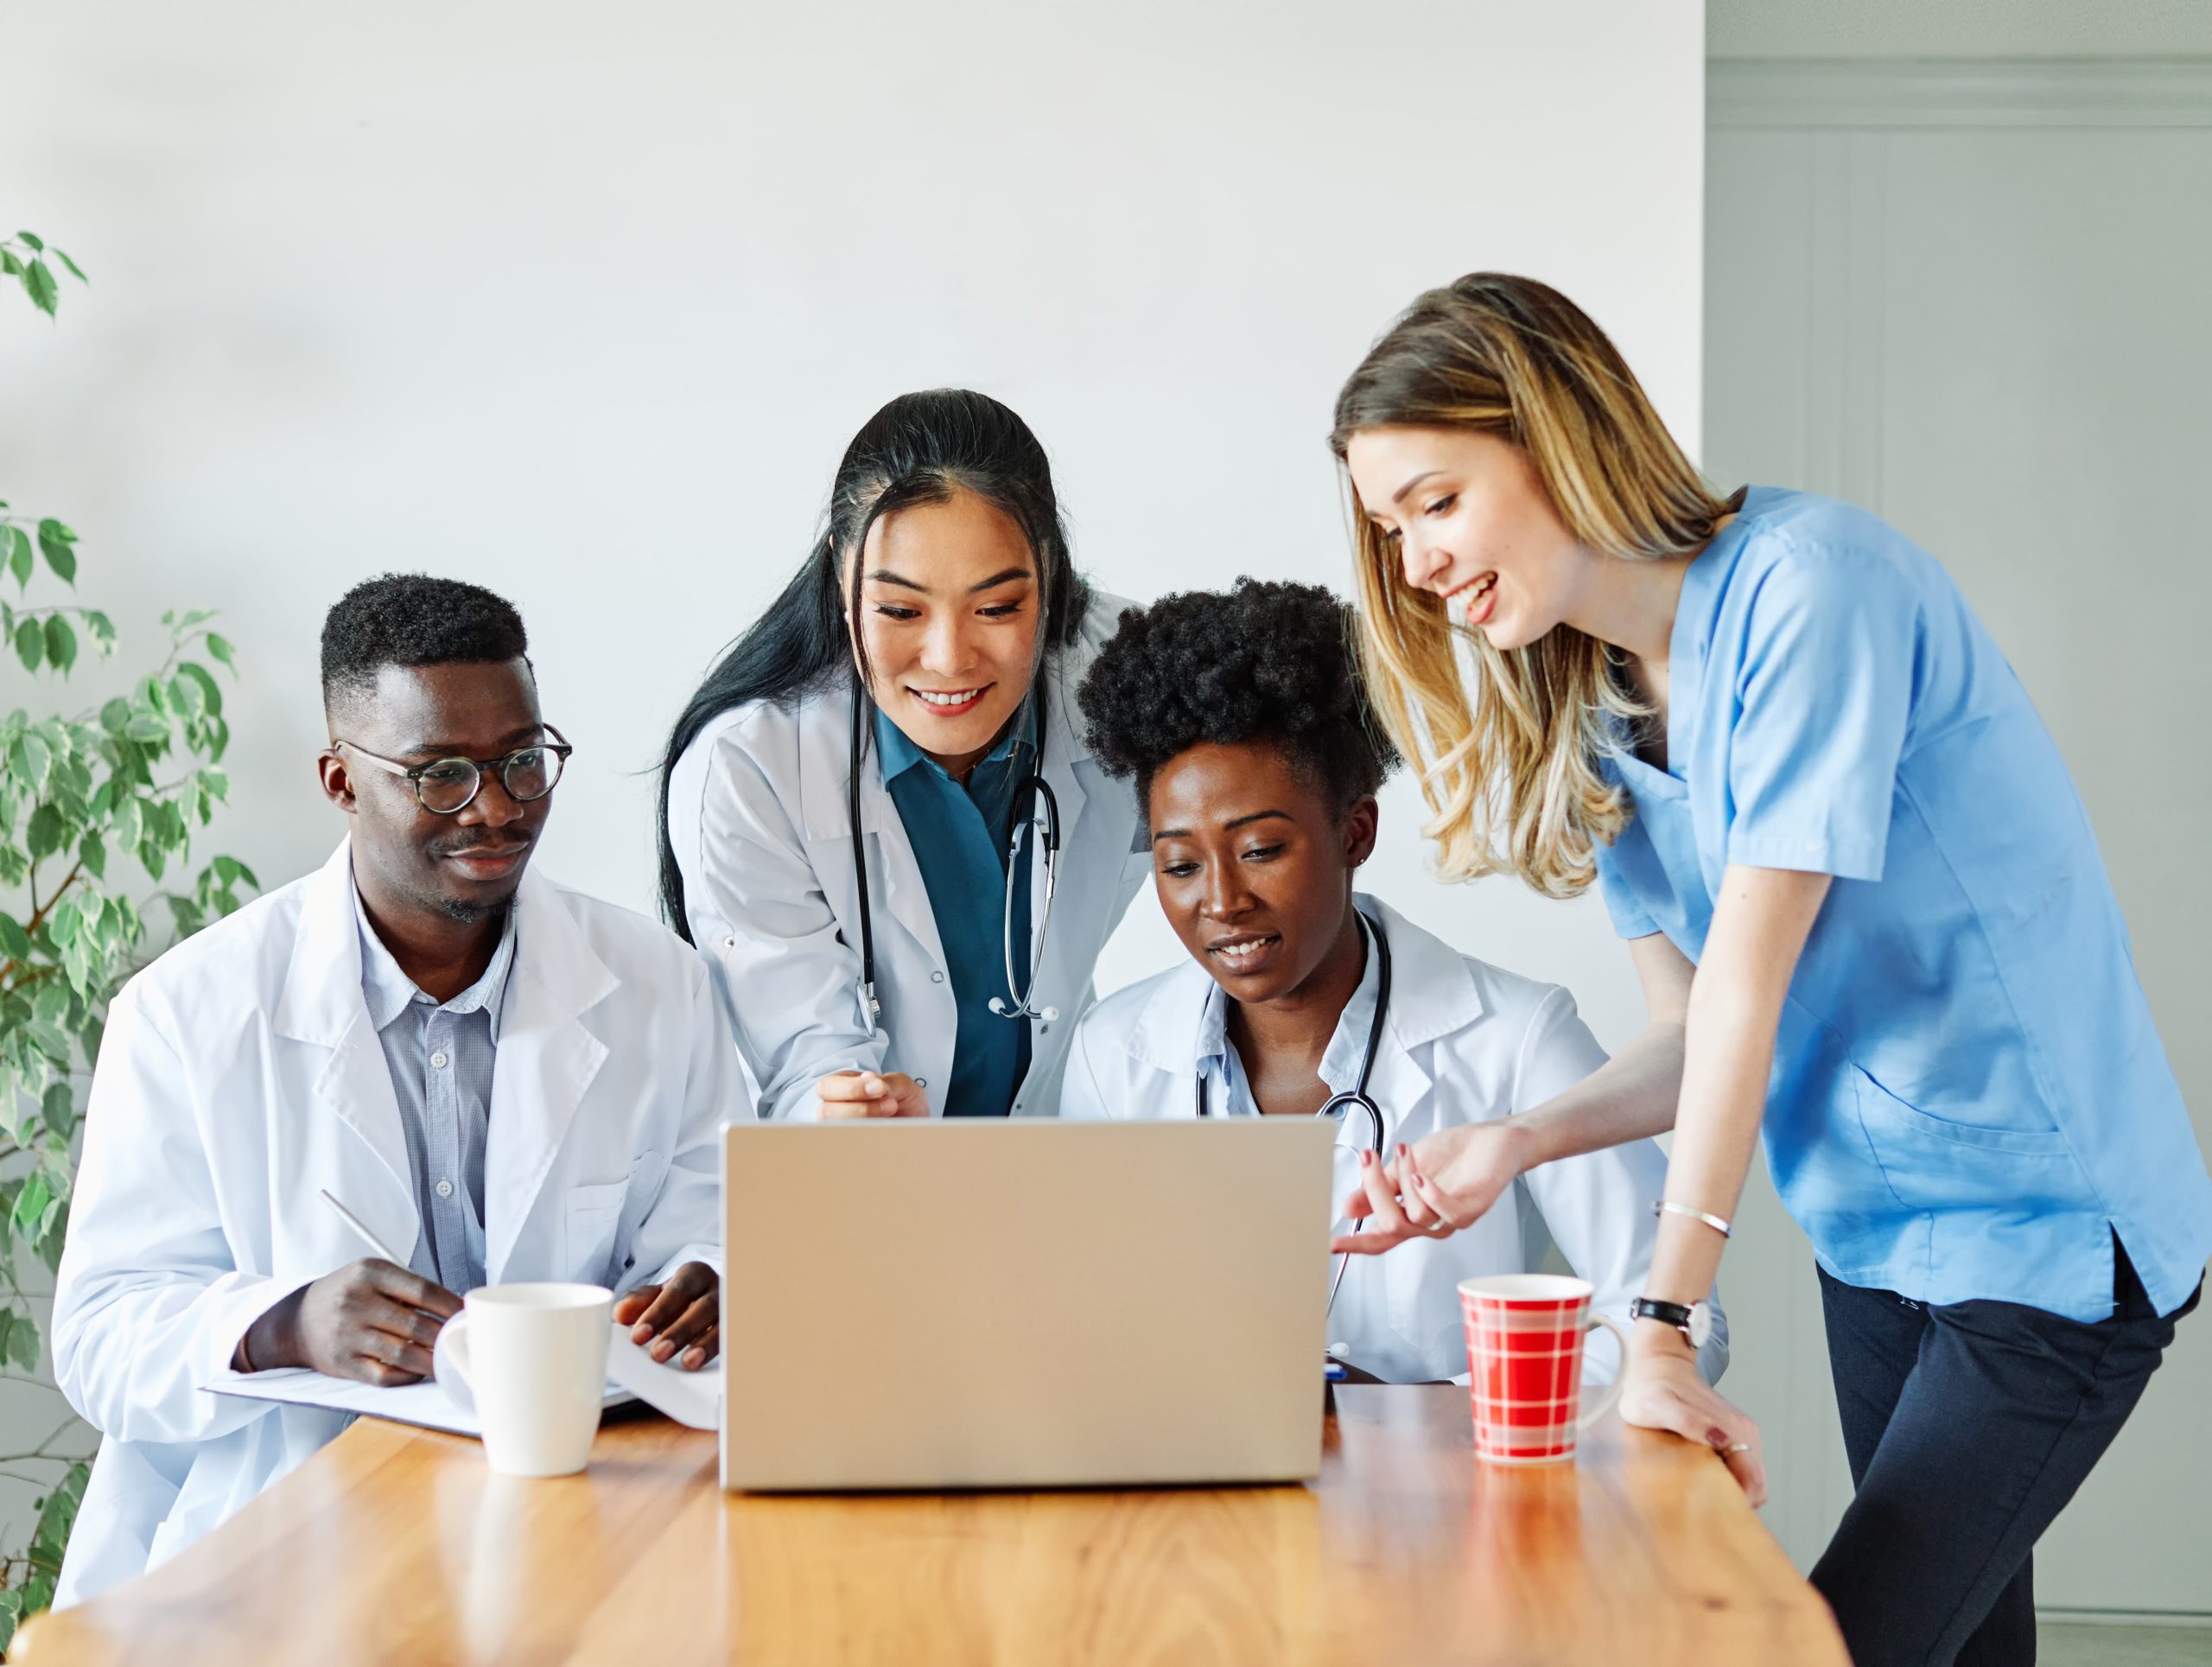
[422, 1403]
[690, 1398]
[694, 1398]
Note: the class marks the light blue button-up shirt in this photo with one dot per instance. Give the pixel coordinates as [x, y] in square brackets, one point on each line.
[1969, 1098]
[1229, 1091]
[959, 833]
[440, 1057]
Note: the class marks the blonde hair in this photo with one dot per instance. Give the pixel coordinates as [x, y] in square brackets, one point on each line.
[1509, 755]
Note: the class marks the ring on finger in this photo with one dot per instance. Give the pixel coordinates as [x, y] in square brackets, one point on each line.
[1736, 1447]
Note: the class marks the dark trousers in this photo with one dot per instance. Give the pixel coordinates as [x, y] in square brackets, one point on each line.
[1968, 1426]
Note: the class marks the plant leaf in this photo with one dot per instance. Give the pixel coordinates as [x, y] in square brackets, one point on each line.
[210, 695]
[22, 1336]
[30, 644]
[14, 942]
[55, 539]
[220, 648]
[32, 240]
[57, 1108]
[30, 1205]
[35, 759]
[9, 265]
[38, 280]
[43, 837]
[19, 555]
[60, 643]
[75, 270]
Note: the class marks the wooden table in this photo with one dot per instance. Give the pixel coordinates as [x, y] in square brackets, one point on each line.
[397, 1545]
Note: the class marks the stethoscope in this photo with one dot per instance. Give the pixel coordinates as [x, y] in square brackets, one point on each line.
[1337, 1106]
[1040, 796]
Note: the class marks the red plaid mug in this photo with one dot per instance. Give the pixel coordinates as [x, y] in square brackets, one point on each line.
[1524, 1363]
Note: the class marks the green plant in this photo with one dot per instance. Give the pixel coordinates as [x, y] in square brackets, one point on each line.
[88, 802]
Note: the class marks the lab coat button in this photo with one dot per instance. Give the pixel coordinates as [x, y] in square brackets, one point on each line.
[937, 977]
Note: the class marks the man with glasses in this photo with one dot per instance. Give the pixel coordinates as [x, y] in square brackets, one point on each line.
[495, 1077]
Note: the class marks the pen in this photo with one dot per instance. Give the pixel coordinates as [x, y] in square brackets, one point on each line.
[362, 1228]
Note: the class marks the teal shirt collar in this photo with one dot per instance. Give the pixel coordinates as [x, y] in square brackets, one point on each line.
[900, 753]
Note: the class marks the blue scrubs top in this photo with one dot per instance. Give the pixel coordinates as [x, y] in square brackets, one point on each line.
[959, 834]
[1968, 1096]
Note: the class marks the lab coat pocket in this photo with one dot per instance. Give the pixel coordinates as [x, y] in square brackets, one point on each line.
[1934, 1163]
[591, 1220]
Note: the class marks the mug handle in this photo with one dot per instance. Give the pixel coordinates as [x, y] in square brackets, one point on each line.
[1604, 1401]
[449, 1362]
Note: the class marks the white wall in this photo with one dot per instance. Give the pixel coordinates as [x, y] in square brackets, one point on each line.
[1974, 303]
[583, 301]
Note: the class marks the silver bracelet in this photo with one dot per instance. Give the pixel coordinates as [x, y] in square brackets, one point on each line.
[1668, 1207]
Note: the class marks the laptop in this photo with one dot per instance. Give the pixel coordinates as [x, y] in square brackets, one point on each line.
[1024, 1303]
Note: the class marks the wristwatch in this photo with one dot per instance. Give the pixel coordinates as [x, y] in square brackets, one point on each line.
[1695, 1322]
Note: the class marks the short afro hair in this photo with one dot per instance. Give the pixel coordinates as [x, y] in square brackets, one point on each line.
[413, 619]
[1268, 662]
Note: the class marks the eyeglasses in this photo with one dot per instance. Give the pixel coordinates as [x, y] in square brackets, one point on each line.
[447, 786]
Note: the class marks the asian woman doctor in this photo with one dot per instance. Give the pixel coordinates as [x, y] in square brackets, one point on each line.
[1242, 721]
[878, 820]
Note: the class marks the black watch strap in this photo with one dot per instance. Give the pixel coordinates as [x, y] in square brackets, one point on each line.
[1671, 1313]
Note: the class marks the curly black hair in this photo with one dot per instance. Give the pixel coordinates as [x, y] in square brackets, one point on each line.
[413, 619]
[1268, 662]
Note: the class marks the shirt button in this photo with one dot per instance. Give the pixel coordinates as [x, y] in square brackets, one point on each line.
[438, 1060]
[729, 943]
[445, 1189]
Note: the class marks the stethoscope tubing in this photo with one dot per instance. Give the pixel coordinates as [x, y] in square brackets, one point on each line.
[1337, 1106]
[1039, 794]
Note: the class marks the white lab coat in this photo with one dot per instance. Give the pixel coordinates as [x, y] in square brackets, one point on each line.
[1464, 1042]
[759, 820]
[240, 1073]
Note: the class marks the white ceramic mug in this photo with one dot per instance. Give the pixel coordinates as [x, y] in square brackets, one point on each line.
[529, 1361]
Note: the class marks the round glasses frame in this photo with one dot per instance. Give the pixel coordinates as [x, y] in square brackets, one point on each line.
[557, 750]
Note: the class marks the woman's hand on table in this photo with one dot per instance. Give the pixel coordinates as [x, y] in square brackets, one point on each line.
[680, 1321]
[1662, 1389]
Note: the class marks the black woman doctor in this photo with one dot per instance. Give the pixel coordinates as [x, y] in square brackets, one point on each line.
[878, 817]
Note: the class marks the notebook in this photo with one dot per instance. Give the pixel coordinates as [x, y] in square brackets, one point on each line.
[690, 1398]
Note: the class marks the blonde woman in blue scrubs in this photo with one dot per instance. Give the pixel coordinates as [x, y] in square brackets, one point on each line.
[1867, 911]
